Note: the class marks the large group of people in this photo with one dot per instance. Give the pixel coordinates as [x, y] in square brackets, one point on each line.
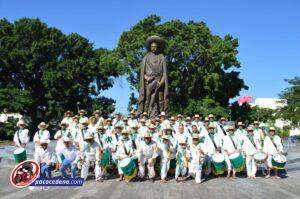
[147, 148]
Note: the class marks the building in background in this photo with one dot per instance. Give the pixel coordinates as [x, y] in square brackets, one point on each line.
[271, 103]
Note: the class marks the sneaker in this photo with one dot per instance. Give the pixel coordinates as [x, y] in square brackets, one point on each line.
[277, 177]
[99, 179]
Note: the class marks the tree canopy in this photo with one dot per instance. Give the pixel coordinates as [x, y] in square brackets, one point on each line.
[247, 114]
[40, 66]
[201, 66]
[291, 112]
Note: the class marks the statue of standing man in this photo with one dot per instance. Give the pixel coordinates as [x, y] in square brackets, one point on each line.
[153, 85]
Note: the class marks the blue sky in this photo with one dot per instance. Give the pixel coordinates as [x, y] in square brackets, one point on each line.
[268, 31]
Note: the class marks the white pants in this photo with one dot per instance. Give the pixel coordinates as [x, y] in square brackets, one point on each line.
[269, 161]
[165, 166]
[228, 163]
[120, 172]
[250, 165]
[181, 169]
[142, 165]
[195, 170]
[85, 170]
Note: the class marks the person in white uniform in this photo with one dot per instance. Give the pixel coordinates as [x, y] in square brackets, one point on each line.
[82, 115]
[212, 121]
[196, 157]
[272, 146]
[63, 132]
[147, 154]
[250, 145]
[178, 122]
[84, 130]
[197, 122]
[124, 150]
[132, 119]
[240, 131]
[222, 127]
[167, 154]
[142, 127]
[74, 128]
[117, 120]
[182, 161]
[230, 145]
[44, 158]
[21, 137]
[181, 134]
[42, 133]
[90, 157]
[258, 132]
[68, 118]
[213, 145]
[69, 157]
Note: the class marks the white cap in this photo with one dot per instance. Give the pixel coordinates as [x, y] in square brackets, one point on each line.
[147, 135]
[44, 141]
[42, 124]
[66, 139]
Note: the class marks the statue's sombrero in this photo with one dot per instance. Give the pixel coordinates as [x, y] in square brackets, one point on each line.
[161, 43]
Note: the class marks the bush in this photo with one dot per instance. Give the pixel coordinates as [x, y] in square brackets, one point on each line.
[7, 130]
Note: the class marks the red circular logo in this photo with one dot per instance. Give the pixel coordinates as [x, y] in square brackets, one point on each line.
[25, 173]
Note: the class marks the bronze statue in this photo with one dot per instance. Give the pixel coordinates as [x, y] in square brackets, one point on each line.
[153, 85]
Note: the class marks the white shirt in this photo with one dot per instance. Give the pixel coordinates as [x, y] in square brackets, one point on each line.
[182, 136]
[147, 151]
[132, 122]
[194, 152]
[210, 147]
[43, 156]
[121, 151]
[58, 136]
[67, 120]
[117, 121]
[258, 133]
[199, 124]
[165, 149]
[23, 135]
[248, 147]
[41, 134]
[70, 153]
[231, 143]
[91, 151]
[106, 140]
[240, 133]
[270, 148]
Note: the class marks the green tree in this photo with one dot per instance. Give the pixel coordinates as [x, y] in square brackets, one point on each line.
[201, 65]
[291, 112]
[262, 114]
[50, 69]
[14, 97]
[248, 114]
[104, 105]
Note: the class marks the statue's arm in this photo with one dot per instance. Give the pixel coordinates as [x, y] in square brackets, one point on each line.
[164, 76]
[142, 72]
